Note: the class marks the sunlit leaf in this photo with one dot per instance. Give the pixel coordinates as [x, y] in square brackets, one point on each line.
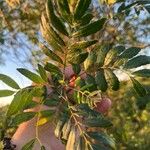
[5, 93]
[22, 117]
[30, 75]
[9, 81]
[90, 28]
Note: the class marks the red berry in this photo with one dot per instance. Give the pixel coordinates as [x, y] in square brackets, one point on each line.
[104, 105]
[72, 81]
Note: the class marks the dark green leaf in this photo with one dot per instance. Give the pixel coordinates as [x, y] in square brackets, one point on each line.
[112, 55]
[16, 103]
[43, 148]
[5, 93]
[76, 68]
[90, 80]
[130, 52]
[147, 8]
[137, 62]
[112, 79]
[86, 19]
[101, 53]
[29, 145]
[21, 100]
[79, 58]
[30, 75]
[52, 55]
[138, 87]
[81, 8]
[51, 102]
[102, 138]
[90, 28]
[50, 34]
[54, 19]
[97, 122]
[89, 62]
[64, 8]
[46, 113]
[42, 72]
[142, 73]
[101, 80]
[22, 117]
[82, 44]
[53, 69]
[9, 81]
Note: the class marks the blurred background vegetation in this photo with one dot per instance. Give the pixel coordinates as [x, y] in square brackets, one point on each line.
[20, 38]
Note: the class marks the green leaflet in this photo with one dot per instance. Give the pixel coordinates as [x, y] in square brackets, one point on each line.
[71, 139]
[52, 34]
[89, 62]
[97, 122]
[64, 6]
[86, 19]
[42, 72]
[53, 69]
[101, 54]
[22, 99]
[76, 68]
[137, 62]
[142, 73]
[30, 75]
[56, 22]
[112, 79]
[52, 55]
[22, 117]
[143, 101]
[46, 113]
[17, 102]
[64, 9]
[101, 80]
[81, 8]
[58, 129]
[50, 40]
[112, 55]
[90, 80]
[102, 138]
[82, 44]
[9, 81]
[66, 130]
[90, 28]
[130, 52]
[5, 93]
[138, 87]
[51, 102]
[29, 145]
[78, 59]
